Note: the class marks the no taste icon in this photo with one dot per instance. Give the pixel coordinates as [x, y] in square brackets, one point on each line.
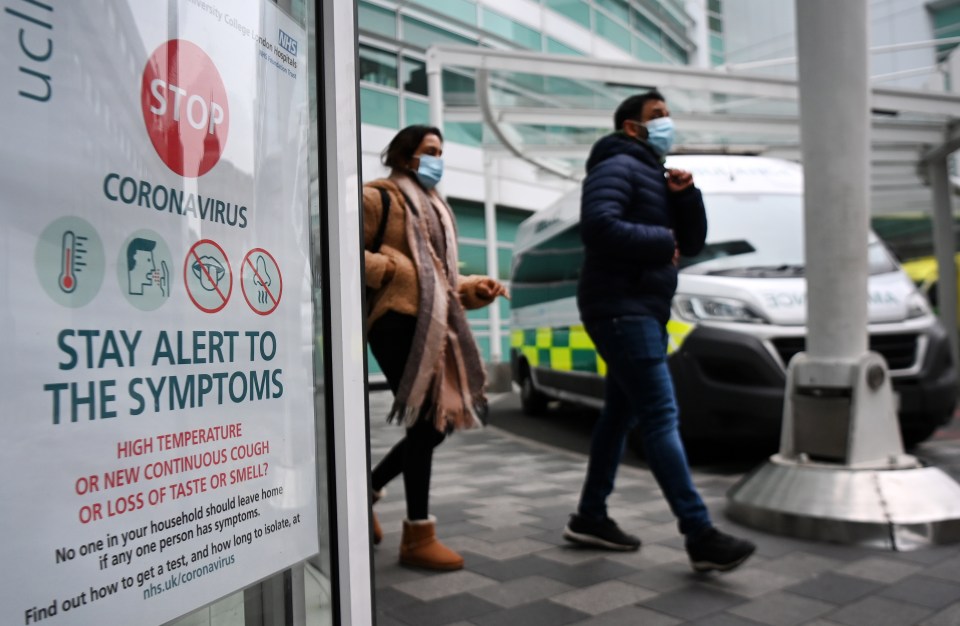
[261, 281]
[207, 275]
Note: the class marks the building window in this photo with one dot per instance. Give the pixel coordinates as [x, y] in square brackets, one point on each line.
[613, 32]
[415, 112]
[645, 52]
[675, 50]
[414, 76]
[463, 10]
[617, 8]
[464, 133]
[645, 25]
[556, 47]
[378, 67]
[576, 10]
[379, 108]
[377, 19]
[508, 29]
[418, 32]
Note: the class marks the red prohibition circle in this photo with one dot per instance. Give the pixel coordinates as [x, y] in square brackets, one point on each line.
[192, 255]
[184, 105]
[243, 288]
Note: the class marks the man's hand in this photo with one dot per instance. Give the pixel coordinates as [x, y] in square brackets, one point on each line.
[488, 289]
[678, 180]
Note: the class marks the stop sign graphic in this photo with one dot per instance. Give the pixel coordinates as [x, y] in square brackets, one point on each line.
[184, 107]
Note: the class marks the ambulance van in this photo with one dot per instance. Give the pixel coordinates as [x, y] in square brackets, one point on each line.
[738, 316]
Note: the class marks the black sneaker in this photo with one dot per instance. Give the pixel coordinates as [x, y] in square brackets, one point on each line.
[713, 550]
[600, 534]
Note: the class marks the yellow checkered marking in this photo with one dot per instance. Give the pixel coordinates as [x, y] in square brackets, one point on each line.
[569, 348]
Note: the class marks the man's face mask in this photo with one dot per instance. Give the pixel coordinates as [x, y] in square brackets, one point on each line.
[430, 170]
[660, 133]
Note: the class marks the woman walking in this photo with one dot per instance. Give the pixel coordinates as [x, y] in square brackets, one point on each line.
[417, 328]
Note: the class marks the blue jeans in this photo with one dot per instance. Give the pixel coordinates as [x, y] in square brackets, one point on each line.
[639, 393]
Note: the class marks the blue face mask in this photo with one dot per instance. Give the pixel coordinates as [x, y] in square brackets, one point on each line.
[430, 171]
[660, 135]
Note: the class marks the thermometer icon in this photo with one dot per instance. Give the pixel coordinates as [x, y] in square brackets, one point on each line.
[71, 251]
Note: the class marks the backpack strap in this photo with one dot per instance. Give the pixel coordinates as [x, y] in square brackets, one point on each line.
[382, 228]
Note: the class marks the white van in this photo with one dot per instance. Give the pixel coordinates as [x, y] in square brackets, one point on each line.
[737, 318]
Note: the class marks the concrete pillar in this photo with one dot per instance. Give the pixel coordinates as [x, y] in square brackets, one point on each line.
[832, 41]
[435, 90]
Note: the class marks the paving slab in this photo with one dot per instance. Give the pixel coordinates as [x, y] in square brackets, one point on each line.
[503, 502]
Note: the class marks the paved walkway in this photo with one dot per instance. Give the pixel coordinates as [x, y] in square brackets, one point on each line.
[503, 501]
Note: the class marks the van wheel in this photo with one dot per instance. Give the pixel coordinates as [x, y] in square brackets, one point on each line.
[532, 401]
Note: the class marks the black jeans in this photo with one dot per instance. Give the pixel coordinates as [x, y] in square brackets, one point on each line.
[390, 340]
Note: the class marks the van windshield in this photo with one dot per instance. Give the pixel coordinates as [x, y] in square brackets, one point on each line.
[761, 236]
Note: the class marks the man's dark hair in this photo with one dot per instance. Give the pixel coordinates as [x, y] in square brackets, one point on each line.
[632, 107]
[405, 144]
[137, 245]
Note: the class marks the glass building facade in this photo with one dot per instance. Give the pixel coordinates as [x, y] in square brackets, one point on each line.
[394, 37]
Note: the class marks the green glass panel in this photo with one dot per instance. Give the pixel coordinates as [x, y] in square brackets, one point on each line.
[555, 47]
[504, 259]
[416, 31]
[613, 32]
[675, 50]
[379, 109]
[373, 367]
[505, 346]
[478, 315]
[466, 133]
[459, 89]
[714, 6]
[645, 25]
[415, 112]
[473, 260]
[716, 25]
[645, 52]
[617, 8]
[469, 216]
[377, 19]
[508, 29]
[504, 305]
[508, 221]
[484, 344]
[716, 59]
[463, 10]
[413, 75]
[716, 43]
[576, 10]
[378, 66]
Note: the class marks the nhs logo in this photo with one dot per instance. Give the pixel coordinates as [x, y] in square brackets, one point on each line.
[288, 43]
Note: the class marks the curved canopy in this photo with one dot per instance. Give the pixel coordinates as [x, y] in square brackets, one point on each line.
[548, 110]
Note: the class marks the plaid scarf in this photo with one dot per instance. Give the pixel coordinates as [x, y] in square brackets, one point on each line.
[444, 371]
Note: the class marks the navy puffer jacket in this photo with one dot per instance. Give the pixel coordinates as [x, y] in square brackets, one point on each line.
[629, 223]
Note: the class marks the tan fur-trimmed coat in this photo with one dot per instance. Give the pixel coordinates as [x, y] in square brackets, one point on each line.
[390, 272]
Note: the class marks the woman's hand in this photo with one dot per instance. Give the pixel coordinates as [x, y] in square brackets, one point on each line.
[488, 289]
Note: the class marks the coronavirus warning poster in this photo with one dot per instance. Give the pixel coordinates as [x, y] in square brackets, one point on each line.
[156, 319]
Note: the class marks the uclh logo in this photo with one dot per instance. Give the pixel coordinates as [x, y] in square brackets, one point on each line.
[288, 43]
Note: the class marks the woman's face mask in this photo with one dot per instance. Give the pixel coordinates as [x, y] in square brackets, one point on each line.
[430, 170]
[660, 134]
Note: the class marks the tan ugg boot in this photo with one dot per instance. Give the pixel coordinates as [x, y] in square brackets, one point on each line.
[420, 548]
[374, 522]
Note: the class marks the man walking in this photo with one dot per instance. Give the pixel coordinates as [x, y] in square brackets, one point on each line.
[636, 219]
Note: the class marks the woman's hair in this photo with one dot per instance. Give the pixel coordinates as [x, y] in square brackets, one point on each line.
[405, 144]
